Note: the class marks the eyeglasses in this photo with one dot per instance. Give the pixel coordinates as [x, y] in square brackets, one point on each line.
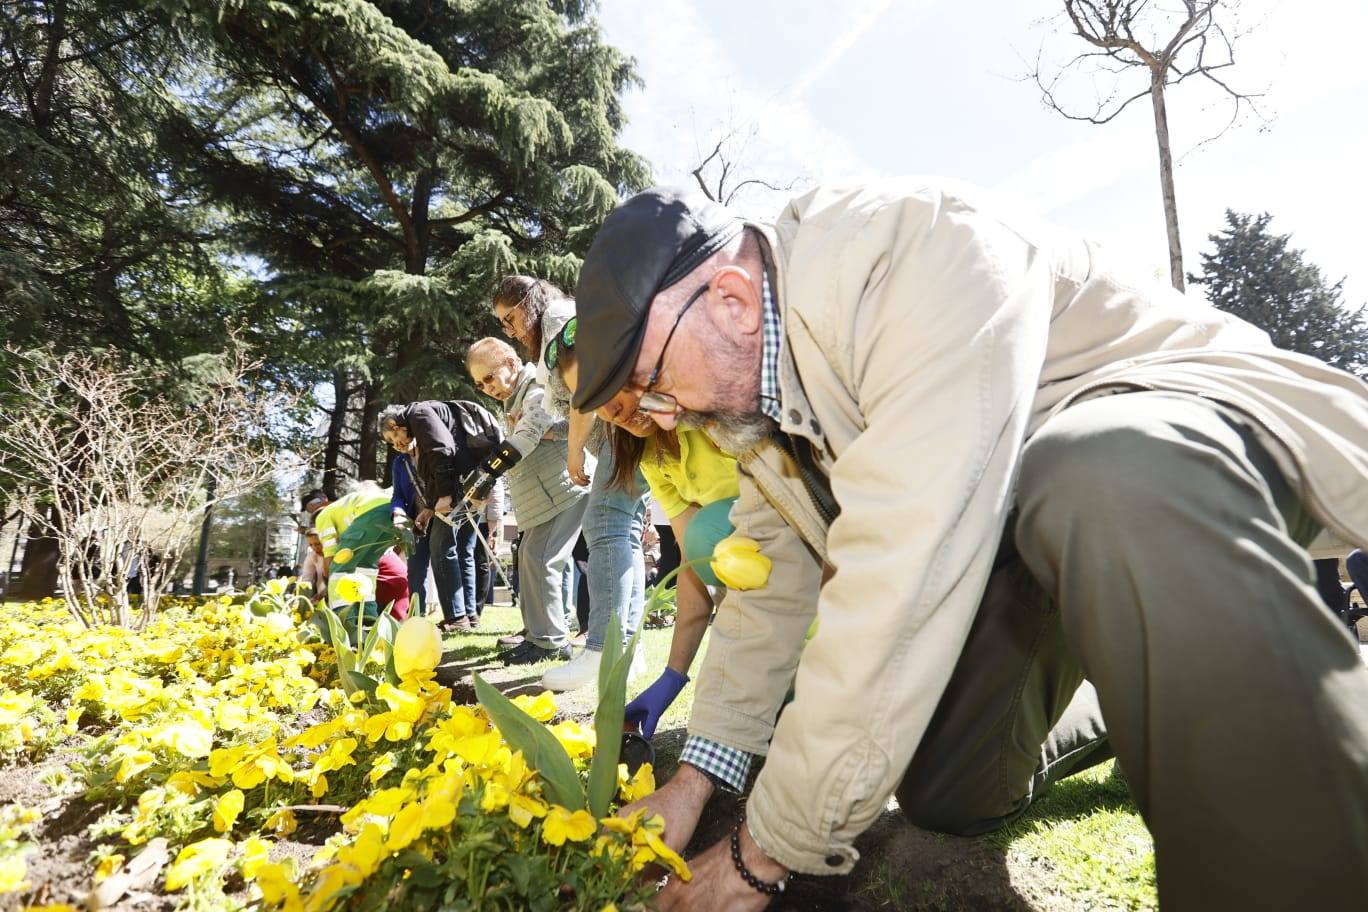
[563, 342]
[664, 403]
[507, 319]
[486, 382]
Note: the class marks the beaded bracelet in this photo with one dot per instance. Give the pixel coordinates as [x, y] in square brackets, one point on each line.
[769, 889]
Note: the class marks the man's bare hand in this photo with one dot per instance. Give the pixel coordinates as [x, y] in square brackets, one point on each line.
[716, 884]
[421, 523]
[443, 505]
[680, 801]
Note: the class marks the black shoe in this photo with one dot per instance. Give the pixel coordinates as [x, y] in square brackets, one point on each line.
[529, 653]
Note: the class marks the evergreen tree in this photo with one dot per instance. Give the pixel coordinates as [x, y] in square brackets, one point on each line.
[98, 244]
[1255, 275]
[390, 160]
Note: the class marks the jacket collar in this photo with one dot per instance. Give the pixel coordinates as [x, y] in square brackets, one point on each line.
[527, 374]
[797, 418]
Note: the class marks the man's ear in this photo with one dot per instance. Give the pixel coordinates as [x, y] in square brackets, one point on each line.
[734, 300]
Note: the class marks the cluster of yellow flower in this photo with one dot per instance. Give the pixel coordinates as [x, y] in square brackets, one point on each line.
[220, 722]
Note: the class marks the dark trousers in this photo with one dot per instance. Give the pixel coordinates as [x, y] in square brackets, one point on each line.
[669, 554]
[1159, 552]
[417, 574]
[1356, 565]
[581, 556]
[485, 572]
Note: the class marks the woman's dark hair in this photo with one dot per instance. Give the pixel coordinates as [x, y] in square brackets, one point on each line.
[534, 296]
[629, 450]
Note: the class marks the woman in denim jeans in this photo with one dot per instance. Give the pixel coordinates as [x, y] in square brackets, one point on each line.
[531, 312]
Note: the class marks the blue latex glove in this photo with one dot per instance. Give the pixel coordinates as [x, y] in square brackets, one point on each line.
[645, 711]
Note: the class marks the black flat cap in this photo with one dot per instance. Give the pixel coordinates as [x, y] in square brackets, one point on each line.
[647, 244]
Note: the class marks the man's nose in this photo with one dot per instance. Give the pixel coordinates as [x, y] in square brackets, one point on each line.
[666, 420]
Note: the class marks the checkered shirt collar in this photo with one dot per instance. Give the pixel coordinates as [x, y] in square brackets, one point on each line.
[769, 355]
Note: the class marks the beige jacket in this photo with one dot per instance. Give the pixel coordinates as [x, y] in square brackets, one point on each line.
[927, 335]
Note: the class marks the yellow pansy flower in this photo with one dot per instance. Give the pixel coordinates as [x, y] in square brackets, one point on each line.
[226, 810]
[354, 587]
[639, 786]
[577, 740]
[107, 866]
[522, 808]
[282, 822]
[255, 852]
[277, 887]
[13, 874]
[542, 707]
[195, 860]
[738, 563]
[133, 764]
[406, 826]
[562, 824]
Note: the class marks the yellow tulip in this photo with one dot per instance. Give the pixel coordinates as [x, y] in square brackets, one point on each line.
[275, 586]
[738, 563]
[417, 648]
[344, 556]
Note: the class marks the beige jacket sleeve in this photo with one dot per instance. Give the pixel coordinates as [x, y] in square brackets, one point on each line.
[948, 316]
[757, 636]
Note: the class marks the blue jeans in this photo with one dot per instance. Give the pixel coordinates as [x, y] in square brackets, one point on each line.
[417, 572]
[613, 523]
[452, 552]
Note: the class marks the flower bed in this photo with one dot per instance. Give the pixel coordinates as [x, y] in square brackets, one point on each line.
[220, 738]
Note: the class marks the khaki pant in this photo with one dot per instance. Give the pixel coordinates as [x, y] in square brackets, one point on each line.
[1157, 551]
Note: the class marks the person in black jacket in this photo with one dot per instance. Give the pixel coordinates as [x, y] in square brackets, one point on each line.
[452, 439]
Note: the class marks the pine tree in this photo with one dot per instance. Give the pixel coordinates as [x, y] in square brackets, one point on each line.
[389, 161]
[1257, 276]
[98, 245]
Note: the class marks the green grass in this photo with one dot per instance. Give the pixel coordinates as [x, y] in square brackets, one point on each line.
[1087, 831]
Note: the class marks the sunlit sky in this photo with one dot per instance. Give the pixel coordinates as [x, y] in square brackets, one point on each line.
[836, 92]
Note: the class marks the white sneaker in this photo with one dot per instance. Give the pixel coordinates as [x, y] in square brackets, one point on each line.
[580, 671]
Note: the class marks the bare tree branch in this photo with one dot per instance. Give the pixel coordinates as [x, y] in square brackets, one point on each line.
[1127, 37]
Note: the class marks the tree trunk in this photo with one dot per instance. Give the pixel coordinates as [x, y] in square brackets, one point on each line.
[367, 450]
[1161, 134]
[39, 568]
[332, 449]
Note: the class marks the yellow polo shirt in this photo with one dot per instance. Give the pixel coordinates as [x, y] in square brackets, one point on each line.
[701, 474]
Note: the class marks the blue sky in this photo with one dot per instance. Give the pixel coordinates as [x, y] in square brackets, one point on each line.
[831, 92]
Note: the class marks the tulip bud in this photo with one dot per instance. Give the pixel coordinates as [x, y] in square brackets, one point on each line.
[738, 563]
[417, 648]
